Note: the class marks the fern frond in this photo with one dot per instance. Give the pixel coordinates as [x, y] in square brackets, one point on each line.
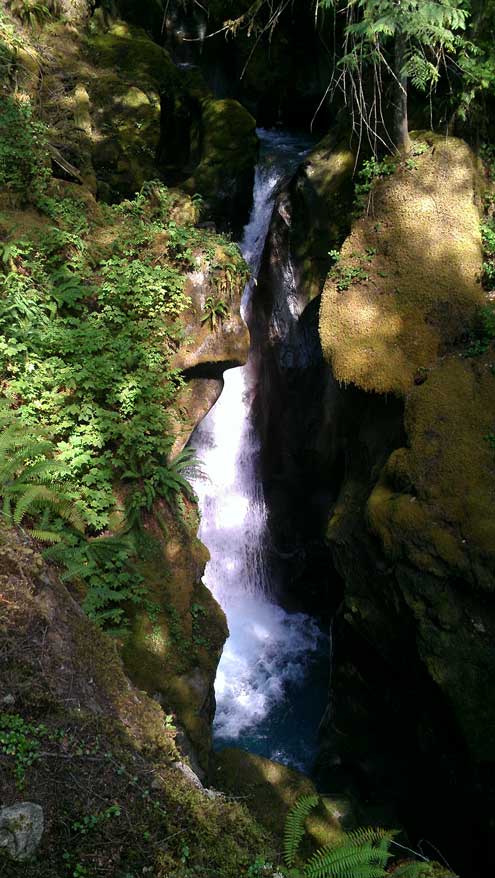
[39, 495]
[294, 826]
[359, 854]
[45, 536]
[15, 460]
[372, 835]
[42, 470]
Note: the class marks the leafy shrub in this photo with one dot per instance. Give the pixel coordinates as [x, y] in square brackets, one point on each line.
[24, 164]
[87, 337]
[488, 240]
[215, 311]
[20, 741]
[85, 346]
[371, 170]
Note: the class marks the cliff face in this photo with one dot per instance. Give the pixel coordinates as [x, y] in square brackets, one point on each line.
[412, 529]
[378, 445]
[310, 217]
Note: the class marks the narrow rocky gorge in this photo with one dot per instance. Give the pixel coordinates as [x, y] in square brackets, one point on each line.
[319, 620]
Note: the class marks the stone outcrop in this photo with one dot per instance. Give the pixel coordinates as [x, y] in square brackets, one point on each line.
[412, 528]
[310, 217]
[127, 114]
[21, 828]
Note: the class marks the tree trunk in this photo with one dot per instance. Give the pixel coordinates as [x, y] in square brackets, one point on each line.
[400, 124]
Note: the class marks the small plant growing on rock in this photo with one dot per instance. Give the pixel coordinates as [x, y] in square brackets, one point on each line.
[483, 334]
[215, 311]
[32, 13]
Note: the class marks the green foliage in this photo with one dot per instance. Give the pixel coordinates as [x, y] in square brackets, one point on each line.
[407, 40]
[347, 274]
[215, 311]
[87, 336]
[32, 12]
[28, 480]
[360, 854]
[20, 741]
[24, 164]
[92, 821]
[483, 333]
[370, 171]
[105, 565]
[488, 240]
[294, 826]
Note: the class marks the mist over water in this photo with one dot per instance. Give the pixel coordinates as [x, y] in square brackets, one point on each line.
[273, 674]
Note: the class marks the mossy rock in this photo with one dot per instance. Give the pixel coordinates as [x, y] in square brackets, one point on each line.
[271, 789]
[434, 502]
[135, 77]
[433, 512]
[225, 173]
[407, 284]
[174, 654]
[135, 55]
[320, 196]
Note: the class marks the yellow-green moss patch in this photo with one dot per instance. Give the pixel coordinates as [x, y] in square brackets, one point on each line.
[407, 282]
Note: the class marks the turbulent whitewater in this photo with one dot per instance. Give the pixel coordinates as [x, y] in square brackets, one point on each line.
[270, 653]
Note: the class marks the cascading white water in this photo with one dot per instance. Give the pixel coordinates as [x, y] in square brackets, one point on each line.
[269, 652]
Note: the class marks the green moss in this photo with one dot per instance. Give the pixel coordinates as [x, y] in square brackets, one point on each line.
[164, 654]
[271, 789]
[421, 287]
[129, 50]
[228, 156]
[435, 498]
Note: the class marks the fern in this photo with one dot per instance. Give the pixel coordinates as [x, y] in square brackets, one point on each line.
[359, 854]
[294, 826]
[28, 479]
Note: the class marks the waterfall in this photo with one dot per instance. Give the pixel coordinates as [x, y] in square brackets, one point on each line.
[270, 653]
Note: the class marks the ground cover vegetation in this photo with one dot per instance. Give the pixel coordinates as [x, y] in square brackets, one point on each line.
[89, 320]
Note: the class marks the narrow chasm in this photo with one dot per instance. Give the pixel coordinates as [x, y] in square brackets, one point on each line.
[272, 681]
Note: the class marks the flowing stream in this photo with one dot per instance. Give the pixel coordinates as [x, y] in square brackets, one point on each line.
[272, 680]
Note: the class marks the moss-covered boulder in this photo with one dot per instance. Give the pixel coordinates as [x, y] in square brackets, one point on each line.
[225, 173]
[271, 789]
[135, 79]
[433, 512]
[320, 197]
[173, 652]
[407, 282]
